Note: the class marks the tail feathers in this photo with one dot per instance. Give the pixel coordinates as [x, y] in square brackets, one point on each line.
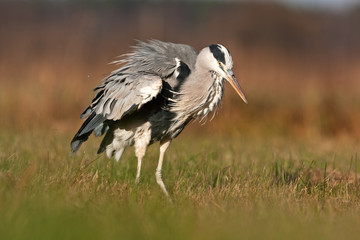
[87, 112]
[101, 129]
[109, 136]
[77, 141]
[85, 130]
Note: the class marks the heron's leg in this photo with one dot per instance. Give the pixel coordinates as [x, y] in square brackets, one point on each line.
[142, 140]
[118, 154]
[164, 144]
[141, 144]
[137, 180]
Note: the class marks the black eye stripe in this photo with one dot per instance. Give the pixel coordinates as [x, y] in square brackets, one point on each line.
[218, 54]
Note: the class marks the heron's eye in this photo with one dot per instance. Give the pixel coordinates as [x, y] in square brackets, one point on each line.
[219, 63]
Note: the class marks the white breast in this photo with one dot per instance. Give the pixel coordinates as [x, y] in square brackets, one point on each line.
[216, 93]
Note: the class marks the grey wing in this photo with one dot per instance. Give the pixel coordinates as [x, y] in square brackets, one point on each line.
[123, 94]
[118, 96]
[140, 79]
[128, 88]
[157, 57]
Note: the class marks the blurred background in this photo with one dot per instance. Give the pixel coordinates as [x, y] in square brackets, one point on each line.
[298, 61]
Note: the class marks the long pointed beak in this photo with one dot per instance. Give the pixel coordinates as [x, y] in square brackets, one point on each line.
[230, 77]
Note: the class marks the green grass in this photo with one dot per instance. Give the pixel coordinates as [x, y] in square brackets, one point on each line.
[223, 188]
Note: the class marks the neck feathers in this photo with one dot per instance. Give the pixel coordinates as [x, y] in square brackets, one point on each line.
[214, 97]
[200, 97]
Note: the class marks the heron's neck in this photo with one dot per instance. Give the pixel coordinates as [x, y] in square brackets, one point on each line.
[214, 95]
[201, 94]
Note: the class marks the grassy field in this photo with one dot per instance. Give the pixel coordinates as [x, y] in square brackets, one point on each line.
[285, 166]
[222, 187]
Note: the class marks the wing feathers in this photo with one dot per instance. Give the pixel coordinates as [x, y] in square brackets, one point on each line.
[119, 99]
[85, 130]
[134, 84]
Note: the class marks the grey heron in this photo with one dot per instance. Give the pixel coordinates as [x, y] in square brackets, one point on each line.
[158, 90]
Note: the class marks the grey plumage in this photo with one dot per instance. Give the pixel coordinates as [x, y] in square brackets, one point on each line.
[159, 89]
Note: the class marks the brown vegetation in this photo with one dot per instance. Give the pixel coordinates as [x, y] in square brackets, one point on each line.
[299, 70]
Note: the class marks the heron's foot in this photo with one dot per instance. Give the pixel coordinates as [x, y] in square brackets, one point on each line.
[137, 180]
[161, 184]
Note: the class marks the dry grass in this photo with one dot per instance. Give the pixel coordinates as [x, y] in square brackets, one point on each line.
[222, 187]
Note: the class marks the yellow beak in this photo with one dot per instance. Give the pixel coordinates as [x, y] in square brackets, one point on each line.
[230, 77]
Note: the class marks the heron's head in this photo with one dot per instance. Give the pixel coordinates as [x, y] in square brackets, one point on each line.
[218, 59]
